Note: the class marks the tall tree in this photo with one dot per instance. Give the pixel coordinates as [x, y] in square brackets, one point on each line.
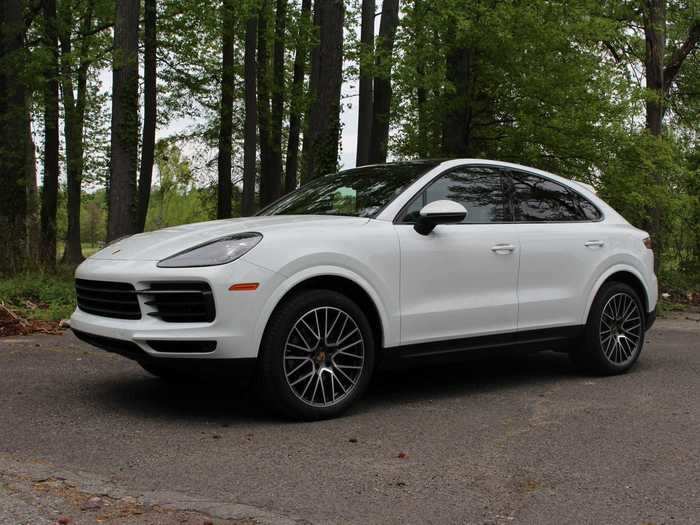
[49, 192]
[381, 107]
[264, 92]
[74, 117]
[225, 186]
[278, 95]
[323, 127]
[14, 137]
[292, 162]
[249, 137]
[364, 120]
[125, 124]
[148, 140]
[456, 121]
[660, 75]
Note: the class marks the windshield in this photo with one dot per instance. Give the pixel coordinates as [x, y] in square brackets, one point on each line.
[359, 192]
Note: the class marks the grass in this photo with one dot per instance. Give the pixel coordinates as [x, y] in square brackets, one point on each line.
[39, 295]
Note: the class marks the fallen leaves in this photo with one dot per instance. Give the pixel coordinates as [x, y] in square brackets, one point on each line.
[12, 324]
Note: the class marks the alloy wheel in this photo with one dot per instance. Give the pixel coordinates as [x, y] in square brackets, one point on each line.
[620, 328]
[324, 356]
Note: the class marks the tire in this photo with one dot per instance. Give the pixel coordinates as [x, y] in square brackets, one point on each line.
[317, 355]
[614, 334]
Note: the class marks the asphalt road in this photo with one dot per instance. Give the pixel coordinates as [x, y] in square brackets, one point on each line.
[496, 441]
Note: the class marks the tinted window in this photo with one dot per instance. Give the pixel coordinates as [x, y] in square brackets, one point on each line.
[589, 210]
[536, 199]
[478, 189]
[360, 192]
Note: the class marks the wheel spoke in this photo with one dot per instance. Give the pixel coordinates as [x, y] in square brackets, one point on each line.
[350, 355]
[315, 334]
[352, 332]
[299, 379]
[308, 347]
[299, 366]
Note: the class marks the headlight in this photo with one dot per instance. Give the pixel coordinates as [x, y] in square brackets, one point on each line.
[213, 253]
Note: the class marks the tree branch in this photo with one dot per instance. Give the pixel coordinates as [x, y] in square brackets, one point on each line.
[612, 50]
[680, 54]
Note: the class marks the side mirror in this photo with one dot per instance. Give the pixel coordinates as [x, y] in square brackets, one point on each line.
[439, 212]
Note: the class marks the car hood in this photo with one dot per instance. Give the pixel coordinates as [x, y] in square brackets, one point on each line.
[156, 245]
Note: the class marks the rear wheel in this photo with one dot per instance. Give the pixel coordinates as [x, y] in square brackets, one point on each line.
[317, 355]
[614, 334]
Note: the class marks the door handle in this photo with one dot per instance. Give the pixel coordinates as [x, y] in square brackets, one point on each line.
[594, 244]
[503, 249]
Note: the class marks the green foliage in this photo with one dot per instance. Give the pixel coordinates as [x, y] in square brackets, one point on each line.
[39, 295]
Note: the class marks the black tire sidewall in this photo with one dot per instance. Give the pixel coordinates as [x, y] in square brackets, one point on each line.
[272, 379]
[592, 349]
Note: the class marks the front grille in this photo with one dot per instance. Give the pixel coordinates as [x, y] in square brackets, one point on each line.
[107, 299]
[180, 302]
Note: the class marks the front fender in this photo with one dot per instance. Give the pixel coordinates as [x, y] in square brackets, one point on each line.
[388, 313]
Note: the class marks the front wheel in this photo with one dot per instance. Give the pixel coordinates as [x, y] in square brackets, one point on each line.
[317, 355]
[614, 334]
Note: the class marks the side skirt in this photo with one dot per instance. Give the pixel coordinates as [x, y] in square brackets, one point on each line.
[457, 349]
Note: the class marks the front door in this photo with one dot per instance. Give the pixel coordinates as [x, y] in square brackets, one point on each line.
[461, 279]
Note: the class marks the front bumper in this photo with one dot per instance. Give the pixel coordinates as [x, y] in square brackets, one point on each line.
[234, 330]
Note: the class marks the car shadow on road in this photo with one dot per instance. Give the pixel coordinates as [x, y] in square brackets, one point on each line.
[139, 393]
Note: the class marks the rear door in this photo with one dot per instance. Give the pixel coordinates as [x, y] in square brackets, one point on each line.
[460, 280]
[562, 243]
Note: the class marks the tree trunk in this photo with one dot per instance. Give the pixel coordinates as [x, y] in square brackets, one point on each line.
[74, 118]
[49, 192]
[364, 119]
[323, 129]
[125, 125]
[455, 120]
[33, 199]
[250, 125]
[14, 132]
[381, 108]
[225, 186]
[148, 141]
[264, 122]
[655, 36]
[292, 165]
[313, 89]
[421, 39]
[278, 90]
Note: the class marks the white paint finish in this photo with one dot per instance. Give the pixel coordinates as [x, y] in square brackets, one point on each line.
[556, 268]
[453, 284]
[460, 280]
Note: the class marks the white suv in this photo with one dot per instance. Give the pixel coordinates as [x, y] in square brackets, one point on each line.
[386, 262]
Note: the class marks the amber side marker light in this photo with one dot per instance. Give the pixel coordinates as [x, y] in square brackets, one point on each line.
[647, 242]
[244, 287]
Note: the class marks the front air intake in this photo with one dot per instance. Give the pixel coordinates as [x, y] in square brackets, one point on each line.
[107, 299]
[180, 302]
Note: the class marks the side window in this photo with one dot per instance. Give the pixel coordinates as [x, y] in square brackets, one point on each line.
[536, 199]
[478, 189]
[589, 210]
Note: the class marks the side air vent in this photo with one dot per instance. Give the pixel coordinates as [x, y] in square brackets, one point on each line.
[107, 299]
[180, 302]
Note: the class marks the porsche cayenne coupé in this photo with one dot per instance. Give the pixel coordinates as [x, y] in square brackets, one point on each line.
[396, 261]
